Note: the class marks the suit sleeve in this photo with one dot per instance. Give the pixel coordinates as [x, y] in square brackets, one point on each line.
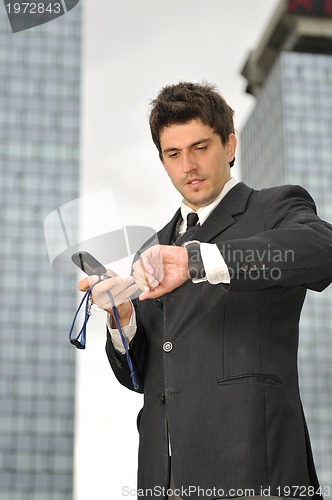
[294, 249]
[138, 352]
[138, 346]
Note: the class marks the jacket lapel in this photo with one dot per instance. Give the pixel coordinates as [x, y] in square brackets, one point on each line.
[222, 217]
[165, 234]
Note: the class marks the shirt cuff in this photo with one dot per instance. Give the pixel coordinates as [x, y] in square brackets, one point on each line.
[215, 267]
[128, 331]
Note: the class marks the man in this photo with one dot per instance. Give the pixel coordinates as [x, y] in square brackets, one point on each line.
[216, 349]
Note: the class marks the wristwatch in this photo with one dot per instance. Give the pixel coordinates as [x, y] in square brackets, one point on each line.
[195, 262]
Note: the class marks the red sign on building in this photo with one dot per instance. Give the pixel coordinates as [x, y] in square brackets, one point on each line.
[321, 8]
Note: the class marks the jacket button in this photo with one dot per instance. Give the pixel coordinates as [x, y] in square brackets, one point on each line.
[167, 346]
[161, 398]
[244, 267]
[159, 303]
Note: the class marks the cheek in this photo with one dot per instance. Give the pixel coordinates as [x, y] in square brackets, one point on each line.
[174, 177]
[168, 171]
[173, 173]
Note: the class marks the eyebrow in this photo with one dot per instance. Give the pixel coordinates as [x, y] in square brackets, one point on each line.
[199, 141]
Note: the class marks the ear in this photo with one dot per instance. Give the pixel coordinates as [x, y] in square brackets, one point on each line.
[231, 147]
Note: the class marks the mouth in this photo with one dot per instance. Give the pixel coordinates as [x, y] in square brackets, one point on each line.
[194, 183]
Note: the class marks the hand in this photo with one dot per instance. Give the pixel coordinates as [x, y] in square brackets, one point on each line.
[121, 290]
[160, 269]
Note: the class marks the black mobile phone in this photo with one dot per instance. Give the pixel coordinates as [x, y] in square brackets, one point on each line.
[89, 264]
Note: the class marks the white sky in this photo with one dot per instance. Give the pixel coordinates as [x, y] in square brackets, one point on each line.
[132, 48]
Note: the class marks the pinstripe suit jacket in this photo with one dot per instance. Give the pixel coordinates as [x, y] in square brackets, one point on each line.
[227, 391]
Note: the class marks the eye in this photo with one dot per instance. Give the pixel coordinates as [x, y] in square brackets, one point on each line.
[173, 155]
[201, 148]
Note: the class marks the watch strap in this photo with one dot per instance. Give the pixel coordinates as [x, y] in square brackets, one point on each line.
[195, 261]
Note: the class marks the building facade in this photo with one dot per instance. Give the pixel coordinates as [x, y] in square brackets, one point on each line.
[39, 162]
[288, 140]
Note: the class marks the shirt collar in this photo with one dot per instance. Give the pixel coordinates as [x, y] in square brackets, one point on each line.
[204, 212]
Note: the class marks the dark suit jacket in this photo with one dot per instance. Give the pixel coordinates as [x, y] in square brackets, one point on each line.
[227, 391]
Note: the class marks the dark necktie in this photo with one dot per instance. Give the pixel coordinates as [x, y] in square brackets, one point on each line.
[192, 220]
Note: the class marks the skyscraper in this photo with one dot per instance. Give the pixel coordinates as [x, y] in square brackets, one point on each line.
[288, 140]
[39, 157]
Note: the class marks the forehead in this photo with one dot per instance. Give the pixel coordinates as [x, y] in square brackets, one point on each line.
[184, 134]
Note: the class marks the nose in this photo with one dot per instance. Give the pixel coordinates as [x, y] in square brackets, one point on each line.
[188, 162]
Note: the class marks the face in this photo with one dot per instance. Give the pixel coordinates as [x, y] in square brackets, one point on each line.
[196, 161]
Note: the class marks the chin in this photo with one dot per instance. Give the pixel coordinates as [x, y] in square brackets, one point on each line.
[198, 203]
[202, 201]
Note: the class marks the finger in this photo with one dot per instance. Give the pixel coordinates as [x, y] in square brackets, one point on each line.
[111, 273]
[87, 283]
[114, 288]
[153, 282]
[108, 284]
[155, 272]
[125, 295]
[123, 286]
[142, 283]
[83, 285]
[145, 262]
[149, 281]
[153, 294]
[140, 273]
[108, 300]
[139, 276]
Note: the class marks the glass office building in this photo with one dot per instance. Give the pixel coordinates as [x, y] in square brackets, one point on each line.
[39, 161]
[288, 140]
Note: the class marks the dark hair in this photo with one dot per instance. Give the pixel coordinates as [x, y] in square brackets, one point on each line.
[183, 102]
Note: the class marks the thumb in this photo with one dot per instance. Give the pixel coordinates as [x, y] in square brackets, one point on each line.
[86, 283]
[154, 294]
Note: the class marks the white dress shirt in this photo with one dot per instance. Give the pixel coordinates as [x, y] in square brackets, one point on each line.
[215, 267]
